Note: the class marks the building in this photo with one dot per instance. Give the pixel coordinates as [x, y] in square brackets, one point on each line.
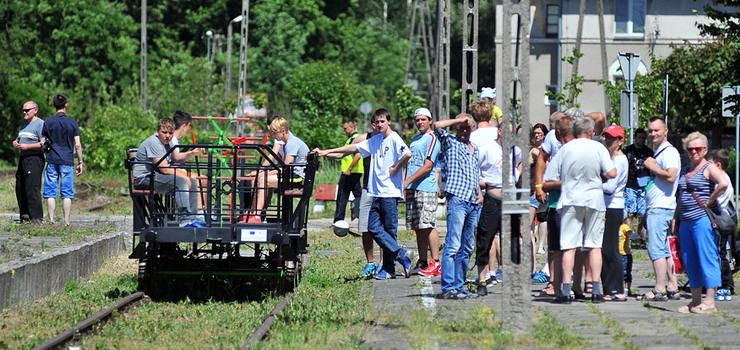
[638, 26]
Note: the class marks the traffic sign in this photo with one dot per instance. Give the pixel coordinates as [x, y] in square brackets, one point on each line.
[728, 91]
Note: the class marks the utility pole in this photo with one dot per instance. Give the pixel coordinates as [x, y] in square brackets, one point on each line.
[229, 45]
[243, 64]
[420, 78]
[604, 69]
[470, 54]
[515, 256]
[142, 53]
[443, 60]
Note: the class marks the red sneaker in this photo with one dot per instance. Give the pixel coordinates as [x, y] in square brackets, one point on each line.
[254, 219]
[433, 269]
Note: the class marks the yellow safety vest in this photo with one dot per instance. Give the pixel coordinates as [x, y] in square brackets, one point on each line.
[347, 160]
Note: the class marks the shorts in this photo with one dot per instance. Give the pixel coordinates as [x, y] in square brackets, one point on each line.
[553, 230]
[421, 210]
[52, 180]
[365, 203]
[658, 223]
[533, 202]
[627, 264]
[581, 227]
[634, 201]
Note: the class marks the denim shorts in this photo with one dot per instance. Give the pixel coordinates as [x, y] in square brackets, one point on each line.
[658, 224]
[634, 201]
[52, 180]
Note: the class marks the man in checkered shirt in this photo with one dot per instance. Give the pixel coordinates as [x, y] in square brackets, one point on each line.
[462, 170]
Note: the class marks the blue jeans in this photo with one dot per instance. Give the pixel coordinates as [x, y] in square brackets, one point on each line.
[658, 225]
[383, 225]
[57, 174]
[462, 218]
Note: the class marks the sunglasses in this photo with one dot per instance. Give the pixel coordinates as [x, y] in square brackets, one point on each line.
[695, 149]
[27, 110]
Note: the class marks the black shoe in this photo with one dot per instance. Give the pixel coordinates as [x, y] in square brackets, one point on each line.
[597, 298]
[578, 296]
[562, 299]
[482, 290]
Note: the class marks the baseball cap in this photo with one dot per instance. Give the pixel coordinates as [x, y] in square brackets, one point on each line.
[423, 111]
[614, 131]
[488, 92]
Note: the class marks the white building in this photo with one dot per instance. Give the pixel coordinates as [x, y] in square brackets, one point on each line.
[638, 26]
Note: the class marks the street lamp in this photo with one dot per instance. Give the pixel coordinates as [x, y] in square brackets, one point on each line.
[209, 35]
[229, 42]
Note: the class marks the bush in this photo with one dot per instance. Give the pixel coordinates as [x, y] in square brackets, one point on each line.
[116, 128]
[322, 95]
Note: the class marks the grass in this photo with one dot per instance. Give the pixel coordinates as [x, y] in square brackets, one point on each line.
[615, 329]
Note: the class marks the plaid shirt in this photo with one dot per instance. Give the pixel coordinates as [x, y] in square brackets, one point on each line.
[462, 168]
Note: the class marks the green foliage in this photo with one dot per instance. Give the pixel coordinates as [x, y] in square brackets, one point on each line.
[322, 95]
[650, 92]
[406, 103]
[115, 128]
[573, 86]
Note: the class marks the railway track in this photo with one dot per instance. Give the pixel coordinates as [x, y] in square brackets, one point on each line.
[94, 322]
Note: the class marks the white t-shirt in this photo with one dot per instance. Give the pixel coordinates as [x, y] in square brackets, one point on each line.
[725, 198]
[384, 152]
[482, 136]
[491, 163]
[580, 165]
[551, 145]
[660, 193]
[614, 188]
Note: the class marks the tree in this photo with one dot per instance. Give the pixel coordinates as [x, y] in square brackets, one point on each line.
[322, 95]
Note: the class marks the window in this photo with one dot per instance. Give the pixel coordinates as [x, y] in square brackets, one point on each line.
[629, 16]
[553, 18]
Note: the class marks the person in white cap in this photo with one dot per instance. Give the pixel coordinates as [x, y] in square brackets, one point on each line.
[421, 194]
[489, 95]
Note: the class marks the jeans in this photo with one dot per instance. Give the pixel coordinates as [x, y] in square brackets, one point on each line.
[347, 184]
[383, 225]
[658, 225]
[462, 218]
[57, 174]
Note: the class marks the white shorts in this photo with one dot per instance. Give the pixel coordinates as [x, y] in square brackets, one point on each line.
[581, 227]
[365, 203]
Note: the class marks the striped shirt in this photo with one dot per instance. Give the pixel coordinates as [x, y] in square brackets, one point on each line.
[700, 185]
[461, 167]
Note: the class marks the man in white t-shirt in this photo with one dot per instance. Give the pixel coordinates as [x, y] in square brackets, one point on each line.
[388, 154]
[660, 197]
[581, 164]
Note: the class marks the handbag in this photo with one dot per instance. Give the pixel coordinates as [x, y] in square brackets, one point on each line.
[675, 248]
[724, 223]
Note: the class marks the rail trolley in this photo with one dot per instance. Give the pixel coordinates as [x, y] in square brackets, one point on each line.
[229, 256]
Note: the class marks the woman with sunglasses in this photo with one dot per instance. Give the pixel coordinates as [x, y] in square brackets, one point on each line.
[700, 184]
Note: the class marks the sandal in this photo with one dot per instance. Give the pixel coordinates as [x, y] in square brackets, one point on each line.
[673, 294]
[686, 309]
[615, 297]
[588, 287]
[656, 296]
[704, 309]
[544, 293]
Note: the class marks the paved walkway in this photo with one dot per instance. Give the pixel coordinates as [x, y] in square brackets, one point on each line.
[611, 325]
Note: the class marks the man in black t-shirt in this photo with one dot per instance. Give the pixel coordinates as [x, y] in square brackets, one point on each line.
[637, 177]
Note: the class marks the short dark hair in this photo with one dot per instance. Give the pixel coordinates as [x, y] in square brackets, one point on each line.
[653, 119]
[349, 121]
[382, 112]
[272, 117]
[640, 131]
[721, 156]
[181, 118]
[60, 100]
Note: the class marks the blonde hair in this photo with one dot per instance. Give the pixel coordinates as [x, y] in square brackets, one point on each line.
[279, 124]
[693, 136]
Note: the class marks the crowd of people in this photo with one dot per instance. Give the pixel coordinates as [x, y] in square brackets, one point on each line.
[588, 193]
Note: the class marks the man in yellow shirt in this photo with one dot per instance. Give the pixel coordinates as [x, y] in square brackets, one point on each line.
[352, 170]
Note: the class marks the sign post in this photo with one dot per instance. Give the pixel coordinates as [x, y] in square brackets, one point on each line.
[365, 109]
[728, 91]
[629, 62]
